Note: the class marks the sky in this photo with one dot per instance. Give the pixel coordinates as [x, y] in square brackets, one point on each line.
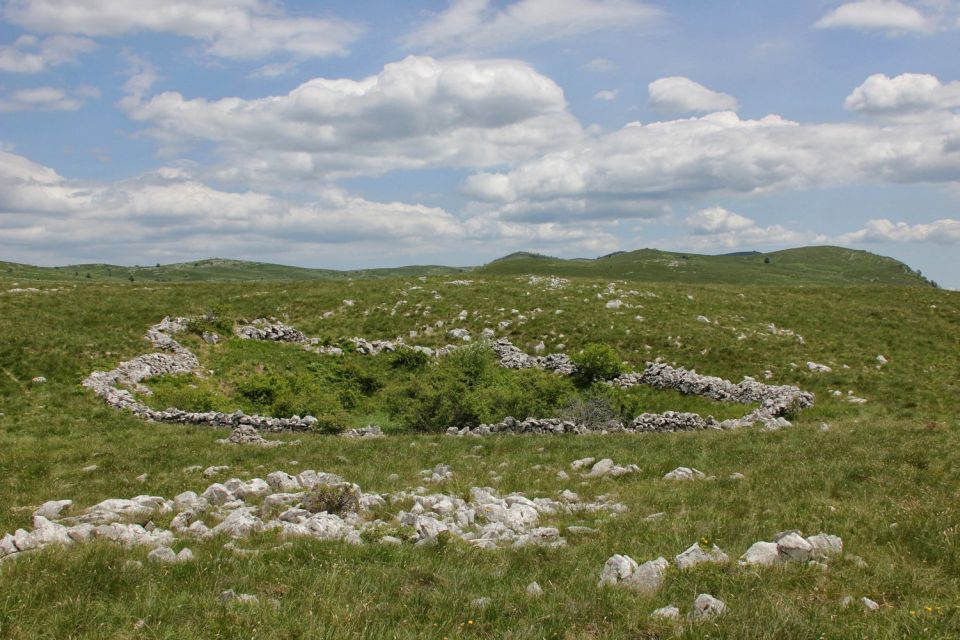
[381, 133]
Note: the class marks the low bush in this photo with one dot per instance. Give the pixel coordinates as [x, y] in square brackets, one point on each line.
[337, 499]
[596, 362]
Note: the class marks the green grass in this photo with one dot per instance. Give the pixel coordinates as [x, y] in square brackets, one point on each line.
[209, 269]
[895, 459]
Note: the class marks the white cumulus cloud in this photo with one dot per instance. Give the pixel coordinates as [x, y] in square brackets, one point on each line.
[945, 231]
[47, 99]
[478, 25]
[30, 54]
[231, 28]
[890, 16]
[716, 227]
[415, 113]
[682, 95]
[908, 92]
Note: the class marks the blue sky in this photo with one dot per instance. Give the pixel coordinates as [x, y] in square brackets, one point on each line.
[380, 133]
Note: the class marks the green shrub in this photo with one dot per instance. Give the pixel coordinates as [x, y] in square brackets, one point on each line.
[408, 359]
[337, 499]
[597, 362]
[468, 387]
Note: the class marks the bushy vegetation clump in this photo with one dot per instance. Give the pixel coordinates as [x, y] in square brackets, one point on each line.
[597, 362]
[337, 498]
[468, 387]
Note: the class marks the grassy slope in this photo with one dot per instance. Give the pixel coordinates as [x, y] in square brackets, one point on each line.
[213, 269]
[807, 265]
[893, 460]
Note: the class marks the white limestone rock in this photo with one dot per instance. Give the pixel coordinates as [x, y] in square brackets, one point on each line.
[239, 524]
[616, 569]
[825, 545]
[576, 465]
[684, 473]
[706, 607]
[53, 508]
[761, 553]
[669, 612]
[794, 547]
[696, 554]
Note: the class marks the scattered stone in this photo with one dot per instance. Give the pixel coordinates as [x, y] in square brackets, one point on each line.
[761, 553]
[882, 360]
[655, 516]
[143, 477]
[248, 435]
[576, 465]
[53, 508]
[621, 570]
[534, 590]
[90, 468]
[606, 467]
[818, 368]
[869, 604]
[684, 473]
[231, 596]
[439, 473]
[696, 554]
[794, 547]
[669, 612]
[38, 380]
[480, 603]
[562, 475]
[825, 545]
[706, 607]
[209, 472]
[166, 555]
[737, 476]
[370, 431]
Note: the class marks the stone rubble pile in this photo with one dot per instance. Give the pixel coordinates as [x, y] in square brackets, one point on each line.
[262, 329]
[248, 435]
[513, 358]
[238, 509]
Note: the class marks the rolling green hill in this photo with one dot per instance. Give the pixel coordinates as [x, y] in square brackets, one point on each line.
[802, 266]
[211, 269]
[806, 265]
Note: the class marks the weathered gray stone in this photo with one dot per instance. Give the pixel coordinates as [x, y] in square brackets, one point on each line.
[697, 554]
[53, 508]
[761, 553]
[706, 607]
[669, 612]
[794, 547]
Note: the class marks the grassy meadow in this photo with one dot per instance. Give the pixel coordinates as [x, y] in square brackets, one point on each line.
[885, 477]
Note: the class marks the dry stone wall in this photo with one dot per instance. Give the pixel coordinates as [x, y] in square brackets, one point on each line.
[775, 400]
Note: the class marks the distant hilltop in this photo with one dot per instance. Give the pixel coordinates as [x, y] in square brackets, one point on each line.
[790, 267]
